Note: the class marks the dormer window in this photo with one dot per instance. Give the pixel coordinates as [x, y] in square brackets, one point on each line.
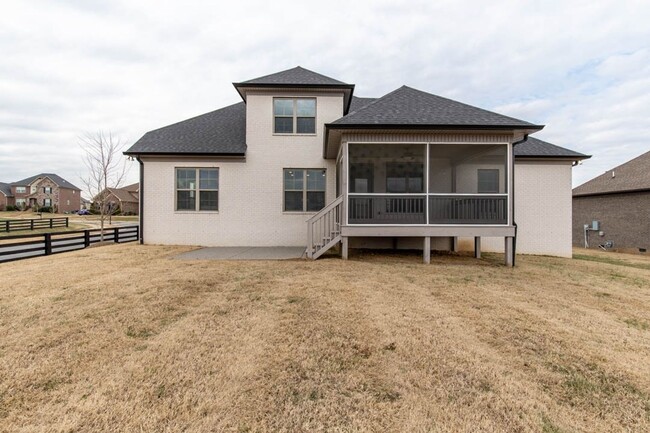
[294, 116]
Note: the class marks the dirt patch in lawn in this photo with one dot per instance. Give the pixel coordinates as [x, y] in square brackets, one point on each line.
[123, 338]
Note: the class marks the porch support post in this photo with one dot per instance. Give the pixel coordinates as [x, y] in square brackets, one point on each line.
[477, 247]
[426, 253]
[344, 247]
[454, 244]
[509, 250]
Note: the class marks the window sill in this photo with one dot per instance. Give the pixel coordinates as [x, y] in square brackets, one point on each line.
[287, 212]
[277, 134]
[196, 212]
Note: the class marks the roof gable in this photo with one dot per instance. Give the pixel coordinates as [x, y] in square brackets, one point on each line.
[410, 107]
[297, 76]
[5, 188]
[61, 182]
[633, 175]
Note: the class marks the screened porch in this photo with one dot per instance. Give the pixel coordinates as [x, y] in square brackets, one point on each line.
[427, 184]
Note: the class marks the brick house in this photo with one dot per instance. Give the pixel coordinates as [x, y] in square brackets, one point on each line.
[6, 196]
[45, 189]
[301, 161]
[619, 200]
[125, 198]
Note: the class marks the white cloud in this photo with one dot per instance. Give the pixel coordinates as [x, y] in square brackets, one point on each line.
[67, 67]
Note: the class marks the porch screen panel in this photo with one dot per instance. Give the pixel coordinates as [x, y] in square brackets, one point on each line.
[378, 168]
[462, 168]
[387, 183]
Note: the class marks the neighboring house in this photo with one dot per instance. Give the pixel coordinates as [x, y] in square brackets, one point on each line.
[619, 200]
[6, 196]
[302, 162]
[124, 199]
[45, 189]
[85, 203]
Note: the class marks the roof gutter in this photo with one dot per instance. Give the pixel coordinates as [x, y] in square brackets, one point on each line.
[428, 126]
[141, 199]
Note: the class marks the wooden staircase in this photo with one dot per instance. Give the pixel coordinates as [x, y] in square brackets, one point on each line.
[324, 229]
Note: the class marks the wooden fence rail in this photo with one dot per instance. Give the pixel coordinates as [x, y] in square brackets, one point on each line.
[33, 224]
[27, 246]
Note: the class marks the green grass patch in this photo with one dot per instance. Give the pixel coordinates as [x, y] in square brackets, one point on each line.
[638, 324]
[611, 261]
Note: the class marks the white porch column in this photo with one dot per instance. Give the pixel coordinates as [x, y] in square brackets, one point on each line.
[477, 247]
[454, 244]
[426, 251]
[344, 247]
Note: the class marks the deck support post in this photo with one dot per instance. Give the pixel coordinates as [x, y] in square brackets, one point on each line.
[426, 252]
[477, 247]
[454, 244]
[509, 250]
[344, 247]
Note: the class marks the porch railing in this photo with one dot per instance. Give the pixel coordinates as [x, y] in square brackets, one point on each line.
[442, 209]
[478, 209]
[381, 209]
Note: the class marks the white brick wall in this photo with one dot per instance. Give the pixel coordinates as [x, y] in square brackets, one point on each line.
[250, 192]
[542, 210]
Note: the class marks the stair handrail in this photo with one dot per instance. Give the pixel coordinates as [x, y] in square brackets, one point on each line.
[334, 206]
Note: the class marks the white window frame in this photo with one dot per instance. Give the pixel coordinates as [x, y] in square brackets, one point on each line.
[197, 190]
[305, 190]
[295, 116]
[21, 190]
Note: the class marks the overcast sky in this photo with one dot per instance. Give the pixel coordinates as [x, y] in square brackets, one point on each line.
[582, 68]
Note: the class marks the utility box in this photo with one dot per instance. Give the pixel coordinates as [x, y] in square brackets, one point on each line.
[595, 225]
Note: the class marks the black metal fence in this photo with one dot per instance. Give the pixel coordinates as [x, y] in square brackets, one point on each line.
[27, 246]
[33, 224]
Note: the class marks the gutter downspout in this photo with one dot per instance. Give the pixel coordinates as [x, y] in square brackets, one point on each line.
[514, 223]
[141, 196]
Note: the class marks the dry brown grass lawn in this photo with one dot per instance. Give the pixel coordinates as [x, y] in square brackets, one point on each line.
[122, 338]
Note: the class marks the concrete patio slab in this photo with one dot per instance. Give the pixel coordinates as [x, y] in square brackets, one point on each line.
[243, 253]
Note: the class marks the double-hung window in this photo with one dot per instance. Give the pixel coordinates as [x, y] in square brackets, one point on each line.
[47, 190]
[197, 189]
[304, 190]
[21, 190]
[294, 116]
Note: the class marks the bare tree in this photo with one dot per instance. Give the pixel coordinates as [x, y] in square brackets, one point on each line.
[106, 168]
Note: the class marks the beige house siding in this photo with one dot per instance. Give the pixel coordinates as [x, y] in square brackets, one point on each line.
[250, 193]
[542, 210]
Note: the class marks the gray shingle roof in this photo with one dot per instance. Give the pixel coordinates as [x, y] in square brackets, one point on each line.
[357, 103]
[410, 107]
[293, 77]
[634, 175]
[55, 177]
[5, 188]
[219, 132]
[536, 148]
